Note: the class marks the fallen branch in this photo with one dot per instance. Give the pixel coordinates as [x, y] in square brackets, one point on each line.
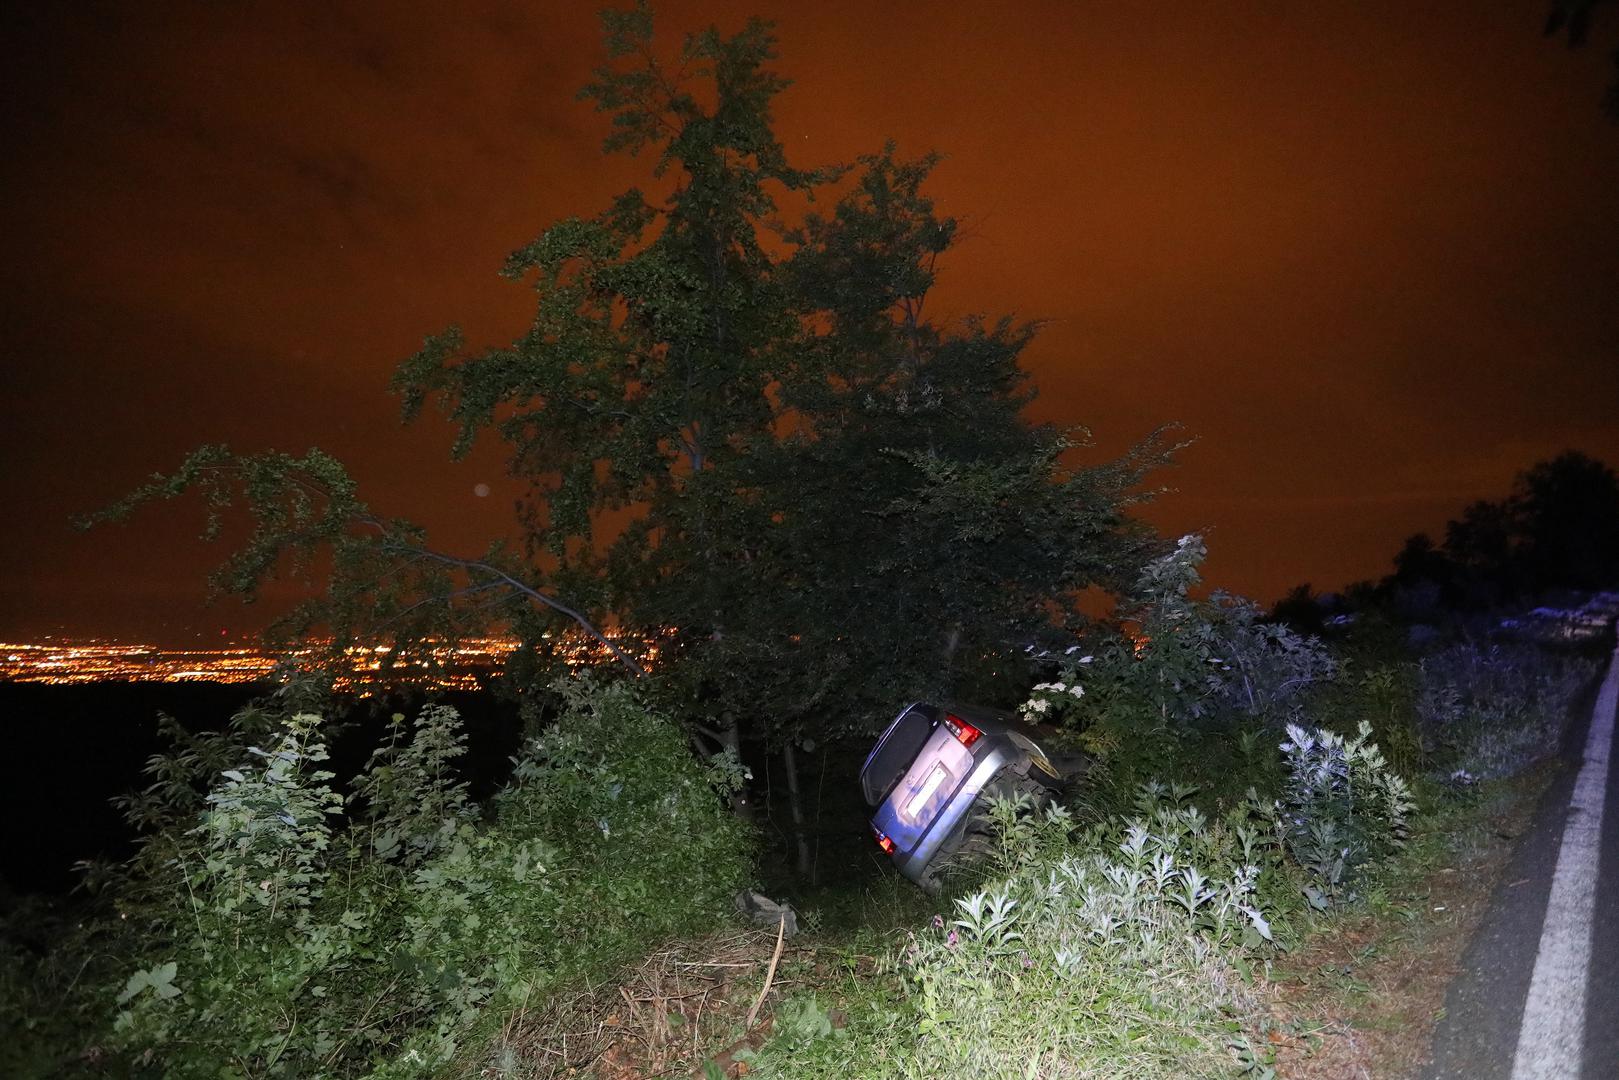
[770, 973]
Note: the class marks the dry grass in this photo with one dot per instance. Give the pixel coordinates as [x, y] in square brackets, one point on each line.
[685, 1004]
[1362, 997]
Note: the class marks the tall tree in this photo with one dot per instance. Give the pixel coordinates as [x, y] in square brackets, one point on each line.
[1567, 522]
[827, 493]
[734, 419]
[1557, 529]
[837, 501]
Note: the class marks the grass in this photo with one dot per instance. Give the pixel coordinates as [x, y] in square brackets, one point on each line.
[1361, 996]
[685, 1004]
[1357, 995]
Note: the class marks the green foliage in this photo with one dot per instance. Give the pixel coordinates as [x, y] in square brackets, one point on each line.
[1383, 693]
[267, 829]
[837, 501]
[1120, 940]
[285, 943]
[365, 578]
[799, 1023]
[413, 798]
[1341, 807]
[58, 968]
[1122, 946]
[1187, 662]
[1491, 711]
[1181, 679]
[1097, 947]
[1557, 529]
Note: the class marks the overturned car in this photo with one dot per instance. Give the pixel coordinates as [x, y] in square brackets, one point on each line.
[931, 774]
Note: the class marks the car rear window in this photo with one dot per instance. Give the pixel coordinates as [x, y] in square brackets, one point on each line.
[899, 746]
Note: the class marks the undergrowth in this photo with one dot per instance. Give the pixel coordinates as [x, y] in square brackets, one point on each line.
[275, 923]
[1126, 936]
[265, 934]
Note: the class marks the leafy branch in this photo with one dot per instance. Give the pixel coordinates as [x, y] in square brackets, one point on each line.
[382, 577]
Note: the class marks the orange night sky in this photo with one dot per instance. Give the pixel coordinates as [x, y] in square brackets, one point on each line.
[1366, 252]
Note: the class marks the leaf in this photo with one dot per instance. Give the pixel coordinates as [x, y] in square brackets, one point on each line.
[160, 979]
[137, 982]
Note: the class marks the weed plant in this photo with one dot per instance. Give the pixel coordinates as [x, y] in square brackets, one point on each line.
[1183, 679]
[1490, 711]
[1342, 807]
[1129, 939]
[273, 937]
[1120, 937]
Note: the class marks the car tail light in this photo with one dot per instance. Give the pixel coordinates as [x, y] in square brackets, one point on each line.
[883, 842]
[963, 731]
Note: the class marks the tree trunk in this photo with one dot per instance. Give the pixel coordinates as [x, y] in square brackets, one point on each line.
[795, 805]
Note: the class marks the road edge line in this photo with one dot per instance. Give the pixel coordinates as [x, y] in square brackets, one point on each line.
[1551, 1035]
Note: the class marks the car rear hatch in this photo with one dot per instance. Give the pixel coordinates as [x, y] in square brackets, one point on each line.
[914, 803]
[895, 751]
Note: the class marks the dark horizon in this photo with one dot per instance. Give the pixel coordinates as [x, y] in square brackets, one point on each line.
[1366, 256]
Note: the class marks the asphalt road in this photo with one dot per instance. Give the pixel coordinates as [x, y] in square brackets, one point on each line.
[1538, 998]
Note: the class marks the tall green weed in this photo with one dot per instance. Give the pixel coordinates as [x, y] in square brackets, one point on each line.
[1180, 679]
[285, 940]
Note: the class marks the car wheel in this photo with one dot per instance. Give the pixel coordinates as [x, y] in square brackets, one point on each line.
[977, 839]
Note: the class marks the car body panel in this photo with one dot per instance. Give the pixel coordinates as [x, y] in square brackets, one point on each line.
[922, 811]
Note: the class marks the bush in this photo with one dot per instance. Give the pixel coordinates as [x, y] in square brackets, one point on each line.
[1181, 679]
[1341, 807]
[1117, 942]
[292, 943]
[1125, 944]
[1124, 947]
[1488, 711]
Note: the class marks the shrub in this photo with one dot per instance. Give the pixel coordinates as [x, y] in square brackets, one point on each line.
[291, 943]
[1491, 711]
[1125, 944]
[413, 798]
[1063, 961]
[1341, 807]
[1121, 941]
[1181, 679]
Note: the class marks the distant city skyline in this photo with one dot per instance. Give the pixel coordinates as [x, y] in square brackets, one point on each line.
[466, 665]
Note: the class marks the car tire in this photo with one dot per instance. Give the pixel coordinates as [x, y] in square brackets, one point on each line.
[975, 839]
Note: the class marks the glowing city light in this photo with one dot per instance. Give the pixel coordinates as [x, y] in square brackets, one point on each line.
[466, 664]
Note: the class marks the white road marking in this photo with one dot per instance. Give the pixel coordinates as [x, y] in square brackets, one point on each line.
[1551, 1039]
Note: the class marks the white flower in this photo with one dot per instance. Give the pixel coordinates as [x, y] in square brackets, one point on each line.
[1077, 690]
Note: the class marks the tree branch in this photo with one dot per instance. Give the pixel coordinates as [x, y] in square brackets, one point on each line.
[523, 588]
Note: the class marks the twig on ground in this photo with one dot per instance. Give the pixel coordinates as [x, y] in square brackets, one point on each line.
[770, 973]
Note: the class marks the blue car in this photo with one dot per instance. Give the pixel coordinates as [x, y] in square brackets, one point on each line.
[929, 774]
